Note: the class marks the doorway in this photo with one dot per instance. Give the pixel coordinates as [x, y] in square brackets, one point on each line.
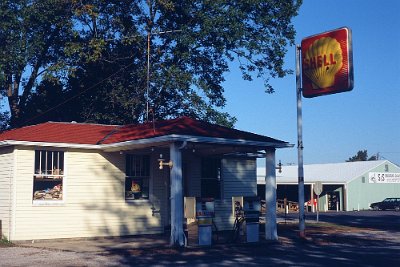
[333, 200]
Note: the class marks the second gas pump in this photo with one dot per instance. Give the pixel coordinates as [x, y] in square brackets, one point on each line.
[248, 209]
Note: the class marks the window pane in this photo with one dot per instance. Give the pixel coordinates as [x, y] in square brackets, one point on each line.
[146, 166]
[47, 185]
[49, 160]
[138, 174]
[145, 187]
[37, 162]
[210, 188]
[43, 162]
[47, 189]
[61, 163]
[136, 188]
[211, 177]
[137, 167]
[210, 167]
[129, 165]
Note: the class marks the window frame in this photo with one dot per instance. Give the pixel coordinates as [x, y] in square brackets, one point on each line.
[214, 175]
[139, 171]
[48, 178]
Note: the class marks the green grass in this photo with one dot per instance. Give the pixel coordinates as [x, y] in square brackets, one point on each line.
[4, 242]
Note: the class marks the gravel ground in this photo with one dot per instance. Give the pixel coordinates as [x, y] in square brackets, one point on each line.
[373, 241]
[22, 256]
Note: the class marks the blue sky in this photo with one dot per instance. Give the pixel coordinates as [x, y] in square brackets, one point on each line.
[336, 126]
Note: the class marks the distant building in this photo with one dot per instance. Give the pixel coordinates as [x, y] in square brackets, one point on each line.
[347, 186]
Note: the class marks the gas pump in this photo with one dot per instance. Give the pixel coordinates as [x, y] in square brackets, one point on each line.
[247, 213]
[204, 216]
[251, 209]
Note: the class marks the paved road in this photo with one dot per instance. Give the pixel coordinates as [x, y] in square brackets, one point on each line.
[356, 239]
[379, 220]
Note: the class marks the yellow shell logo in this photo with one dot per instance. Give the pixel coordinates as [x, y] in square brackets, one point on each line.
[322, 61]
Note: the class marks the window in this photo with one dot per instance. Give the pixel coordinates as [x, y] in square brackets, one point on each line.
[137, 177]
[211, 178]
[48, 175]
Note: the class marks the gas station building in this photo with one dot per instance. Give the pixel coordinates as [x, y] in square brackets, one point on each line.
[68, 180]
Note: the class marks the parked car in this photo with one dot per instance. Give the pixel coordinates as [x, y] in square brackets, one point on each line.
[391, 203]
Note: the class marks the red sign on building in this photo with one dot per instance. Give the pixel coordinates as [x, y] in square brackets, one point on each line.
[327, 63]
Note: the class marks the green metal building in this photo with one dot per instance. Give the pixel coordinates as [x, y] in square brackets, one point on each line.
[347, 186]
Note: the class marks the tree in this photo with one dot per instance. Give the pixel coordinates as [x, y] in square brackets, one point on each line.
[32, 34]
[99, 52]
[362, 155]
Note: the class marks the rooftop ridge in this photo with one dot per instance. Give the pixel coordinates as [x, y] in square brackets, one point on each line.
[81, 123]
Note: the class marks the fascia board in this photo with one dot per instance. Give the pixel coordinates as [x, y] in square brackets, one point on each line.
[47, 144]
[149, 141]
[193, 139]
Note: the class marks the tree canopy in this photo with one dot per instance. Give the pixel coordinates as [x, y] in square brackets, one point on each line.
[86, 60]
[362, 155]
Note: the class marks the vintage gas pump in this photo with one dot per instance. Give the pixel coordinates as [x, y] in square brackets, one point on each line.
[251, 209]
[247, 213]
[204, 216]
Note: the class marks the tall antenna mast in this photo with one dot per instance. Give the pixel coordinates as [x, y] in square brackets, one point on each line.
[148, 76]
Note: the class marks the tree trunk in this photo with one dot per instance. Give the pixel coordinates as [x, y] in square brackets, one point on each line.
[13, 103]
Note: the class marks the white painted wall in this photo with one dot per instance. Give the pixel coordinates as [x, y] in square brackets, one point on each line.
[94, 203]
[6, 174]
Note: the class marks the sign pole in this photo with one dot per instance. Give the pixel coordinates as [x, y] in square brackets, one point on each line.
[300, 146]
[318, 191]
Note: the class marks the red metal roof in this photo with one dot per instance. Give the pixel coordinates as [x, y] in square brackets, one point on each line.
[91, 134]
[59, 132]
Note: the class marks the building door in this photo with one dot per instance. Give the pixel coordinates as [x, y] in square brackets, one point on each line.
[333, 200]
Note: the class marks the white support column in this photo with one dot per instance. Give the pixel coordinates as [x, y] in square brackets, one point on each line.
[270, 196]
[312, 197]
[177, 234]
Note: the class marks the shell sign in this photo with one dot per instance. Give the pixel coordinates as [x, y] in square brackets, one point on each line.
[327, 66]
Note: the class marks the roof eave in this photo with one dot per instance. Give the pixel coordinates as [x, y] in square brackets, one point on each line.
[132, 144]
[6, 143]
[193, 139]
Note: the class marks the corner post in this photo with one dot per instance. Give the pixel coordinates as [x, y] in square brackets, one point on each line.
[177, 234]
[270, 195]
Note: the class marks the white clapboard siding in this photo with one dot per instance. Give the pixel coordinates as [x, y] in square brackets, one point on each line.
[239, 178]
[93, 204]
[6, 174]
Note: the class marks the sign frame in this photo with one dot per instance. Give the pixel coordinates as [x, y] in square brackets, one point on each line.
[327, 63]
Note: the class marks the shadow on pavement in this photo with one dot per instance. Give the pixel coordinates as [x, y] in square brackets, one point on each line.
[325, 245]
